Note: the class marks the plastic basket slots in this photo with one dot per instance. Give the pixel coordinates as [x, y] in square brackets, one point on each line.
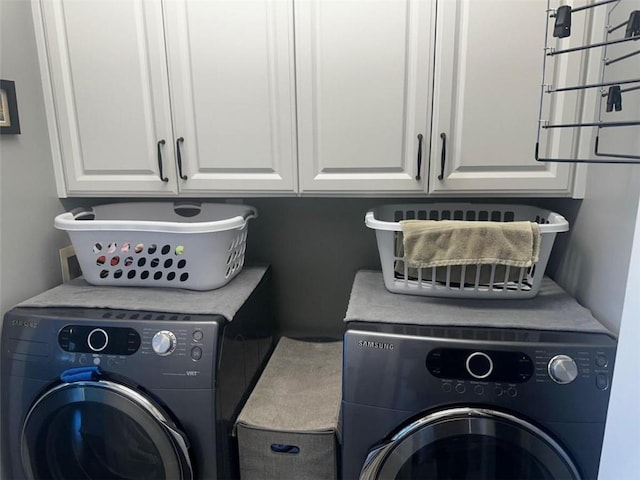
[471, 281]
[182, 245]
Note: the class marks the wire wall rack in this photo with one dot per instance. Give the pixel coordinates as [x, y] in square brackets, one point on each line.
[613, 100]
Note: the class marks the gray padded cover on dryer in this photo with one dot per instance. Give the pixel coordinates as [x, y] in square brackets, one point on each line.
[551, 309]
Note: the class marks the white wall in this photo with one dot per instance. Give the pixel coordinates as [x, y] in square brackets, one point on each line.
[596, 261]
[621, 451]
[601, 268]
[28, 201]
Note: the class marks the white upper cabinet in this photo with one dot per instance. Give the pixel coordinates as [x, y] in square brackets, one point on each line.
[227, 67]
[489, 60]
[364, 88]
[110, 111]
[310, 97]
[231, 76]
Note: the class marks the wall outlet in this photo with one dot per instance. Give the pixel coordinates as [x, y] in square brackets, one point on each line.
[69, 263]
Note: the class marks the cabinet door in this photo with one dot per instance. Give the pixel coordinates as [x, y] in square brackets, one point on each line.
[363, 85]
[232, 76]
[487, 99]
[107, 70]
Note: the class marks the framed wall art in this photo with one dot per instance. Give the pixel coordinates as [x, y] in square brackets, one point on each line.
[9, 121]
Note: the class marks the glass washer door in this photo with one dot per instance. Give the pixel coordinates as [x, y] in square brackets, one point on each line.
[469, 444]
[95, 430]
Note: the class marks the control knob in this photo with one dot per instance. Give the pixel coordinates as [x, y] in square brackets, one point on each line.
[164, 342]
[562, 369]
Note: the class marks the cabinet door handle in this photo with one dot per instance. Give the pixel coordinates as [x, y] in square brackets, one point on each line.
[419, 156]
[443, 157]
[162, 177]
[179, 156]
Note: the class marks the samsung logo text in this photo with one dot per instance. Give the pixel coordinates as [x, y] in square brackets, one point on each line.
[378, 345]
[24, 323]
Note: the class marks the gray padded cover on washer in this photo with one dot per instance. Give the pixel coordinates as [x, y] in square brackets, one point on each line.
[551, 309]
[225, 301]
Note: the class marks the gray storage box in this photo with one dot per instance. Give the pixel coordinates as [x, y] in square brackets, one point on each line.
[288, 427]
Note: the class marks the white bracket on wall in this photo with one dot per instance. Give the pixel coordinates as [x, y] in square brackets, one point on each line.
[69, 263]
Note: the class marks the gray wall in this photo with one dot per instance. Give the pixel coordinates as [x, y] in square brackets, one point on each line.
[28, 201]
[315, 247]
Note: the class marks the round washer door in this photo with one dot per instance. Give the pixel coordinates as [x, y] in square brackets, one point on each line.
[461, 443]
[101, 429]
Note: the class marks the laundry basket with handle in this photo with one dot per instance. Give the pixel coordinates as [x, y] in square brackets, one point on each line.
[191, 245]
[463, 281]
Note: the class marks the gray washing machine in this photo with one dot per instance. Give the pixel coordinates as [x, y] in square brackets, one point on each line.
[473, 403]
[119, 394]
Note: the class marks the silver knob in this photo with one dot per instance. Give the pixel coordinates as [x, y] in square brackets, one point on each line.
[562, 369]
[164, 342]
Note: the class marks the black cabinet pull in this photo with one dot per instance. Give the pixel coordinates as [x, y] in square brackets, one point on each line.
[443, 158]
[162, 177]
[419, 156]
[179, 156]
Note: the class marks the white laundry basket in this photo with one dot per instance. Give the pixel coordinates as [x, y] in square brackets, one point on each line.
[485, 281]
[197, 246]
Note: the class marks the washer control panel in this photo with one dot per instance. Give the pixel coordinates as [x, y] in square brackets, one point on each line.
[489, 373]
[127, 341]
[190, 342]
[107, 340]
[569, 365]
[485, 365]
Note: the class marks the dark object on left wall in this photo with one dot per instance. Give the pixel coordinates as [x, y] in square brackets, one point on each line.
[9, 121]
